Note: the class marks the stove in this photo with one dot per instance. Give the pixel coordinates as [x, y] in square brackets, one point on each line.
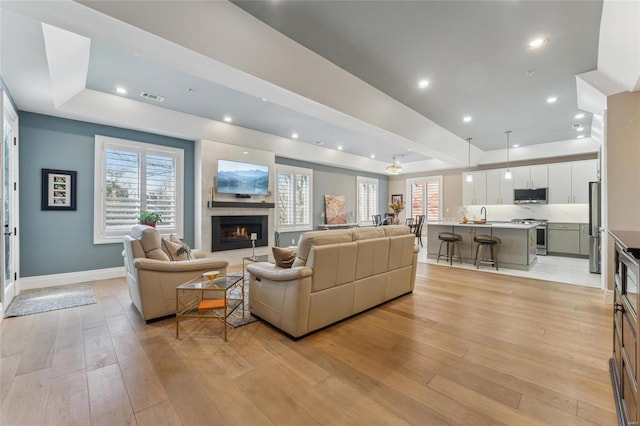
[541, 233]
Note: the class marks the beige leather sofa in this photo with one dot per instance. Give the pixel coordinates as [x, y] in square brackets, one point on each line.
[336, 274]
[152, 283]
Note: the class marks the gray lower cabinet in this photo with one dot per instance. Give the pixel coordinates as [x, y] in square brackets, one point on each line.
[563, 238]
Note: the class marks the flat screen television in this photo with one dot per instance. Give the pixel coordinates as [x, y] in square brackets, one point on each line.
[242, 178]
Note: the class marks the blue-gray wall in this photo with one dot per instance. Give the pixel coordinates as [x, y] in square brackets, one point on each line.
[329, 180]
[53, 242]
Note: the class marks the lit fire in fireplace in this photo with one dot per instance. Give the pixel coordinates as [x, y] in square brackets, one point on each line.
[236, 233]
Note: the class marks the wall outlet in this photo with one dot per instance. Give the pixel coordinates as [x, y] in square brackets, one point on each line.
[293, 241]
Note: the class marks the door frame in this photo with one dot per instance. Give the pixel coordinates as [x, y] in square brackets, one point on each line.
[11, 290]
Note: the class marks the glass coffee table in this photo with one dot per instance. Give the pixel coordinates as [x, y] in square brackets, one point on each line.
[216, 292]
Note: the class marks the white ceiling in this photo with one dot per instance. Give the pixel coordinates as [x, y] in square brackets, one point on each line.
[474, 54]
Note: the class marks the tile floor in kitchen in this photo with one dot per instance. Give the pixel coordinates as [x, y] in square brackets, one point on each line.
[552, 268]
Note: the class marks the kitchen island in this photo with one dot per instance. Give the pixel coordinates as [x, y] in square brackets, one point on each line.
[516, 251]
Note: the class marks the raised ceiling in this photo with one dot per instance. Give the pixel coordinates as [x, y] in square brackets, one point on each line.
[473, 53]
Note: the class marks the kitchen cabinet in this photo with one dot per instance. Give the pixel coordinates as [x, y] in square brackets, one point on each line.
[563, 238]
[475, 192]
[624, 360]
[530, 177]
[499, 189]
[569, 182]
[584, 239]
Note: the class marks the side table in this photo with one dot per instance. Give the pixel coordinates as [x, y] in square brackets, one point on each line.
[252, 259]
[190, 294]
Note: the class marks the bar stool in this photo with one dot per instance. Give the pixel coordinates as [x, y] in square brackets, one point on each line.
[452, 240]
[490, 241]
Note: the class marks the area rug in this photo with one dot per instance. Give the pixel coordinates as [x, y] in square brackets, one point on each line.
[50, 299]
[236, 320]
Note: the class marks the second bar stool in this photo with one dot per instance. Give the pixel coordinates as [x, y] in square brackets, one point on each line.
[490, 241]
[451, 239]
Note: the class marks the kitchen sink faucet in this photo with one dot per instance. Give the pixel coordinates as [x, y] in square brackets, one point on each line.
[485, 212]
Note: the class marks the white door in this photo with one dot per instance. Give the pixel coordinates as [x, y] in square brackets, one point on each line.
[9, 206]
[582, 173]
[493, 186]
[539, 176]
[506, 188]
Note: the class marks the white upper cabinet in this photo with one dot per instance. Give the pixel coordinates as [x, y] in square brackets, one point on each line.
[569, 182]
[475, 192]
[499, 189]
[530, 177]
[560, 183]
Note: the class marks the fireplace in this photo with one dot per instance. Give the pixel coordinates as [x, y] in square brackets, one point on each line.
[234, 232]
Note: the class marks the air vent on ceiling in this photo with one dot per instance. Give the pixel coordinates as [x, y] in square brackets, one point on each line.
[152, 97]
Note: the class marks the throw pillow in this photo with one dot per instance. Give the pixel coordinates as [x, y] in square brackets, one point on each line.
[284, 257]
[177, 251]
[150, 241]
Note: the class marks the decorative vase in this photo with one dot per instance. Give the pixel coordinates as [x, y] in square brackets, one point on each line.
[151, 224]
[396, 219]
[464, 219]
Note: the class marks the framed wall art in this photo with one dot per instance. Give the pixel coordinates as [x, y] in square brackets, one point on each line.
[396, 198]
[58, 189]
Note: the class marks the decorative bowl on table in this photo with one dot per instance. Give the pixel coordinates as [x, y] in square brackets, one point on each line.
[211, 275]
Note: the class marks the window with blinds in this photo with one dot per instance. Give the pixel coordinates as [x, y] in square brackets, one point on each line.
[294, 195]
[425, 197]
[367, 199]
[131, 177]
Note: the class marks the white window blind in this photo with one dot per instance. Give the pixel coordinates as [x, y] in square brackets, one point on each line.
[131, 177]
[294, 194]
[367, 199]
[425, 197]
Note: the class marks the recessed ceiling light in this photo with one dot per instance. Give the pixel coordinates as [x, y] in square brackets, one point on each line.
[294, 135]
[245, 152]
[551, 99]
[373, 156]
[423, 83]
[579, 116]
[339, 147]
[580, 136]
[467, 119]
[516, 146]
[121, 90]
[227, 119]
[537, 43]
[264, 99]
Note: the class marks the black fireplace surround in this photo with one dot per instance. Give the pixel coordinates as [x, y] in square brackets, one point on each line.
[234, 232]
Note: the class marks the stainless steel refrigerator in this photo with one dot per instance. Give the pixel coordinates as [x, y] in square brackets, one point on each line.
[595, 223]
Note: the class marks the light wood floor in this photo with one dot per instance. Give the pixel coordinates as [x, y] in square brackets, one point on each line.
[467, 348]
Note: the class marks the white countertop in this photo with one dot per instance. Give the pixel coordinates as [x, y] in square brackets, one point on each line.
[489, 224]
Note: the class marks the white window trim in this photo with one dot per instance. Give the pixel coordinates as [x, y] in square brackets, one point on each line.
[425, 180]
[302, 172]
[366, 180]
[99, 222]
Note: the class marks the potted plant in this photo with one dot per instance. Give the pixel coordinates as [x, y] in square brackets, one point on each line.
[149, 218]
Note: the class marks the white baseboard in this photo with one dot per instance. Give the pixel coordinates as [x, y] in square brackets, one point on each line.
[42, 281]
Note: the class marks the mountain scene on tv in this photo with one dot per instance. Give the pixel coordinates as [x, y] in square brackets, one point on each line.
[243, 182]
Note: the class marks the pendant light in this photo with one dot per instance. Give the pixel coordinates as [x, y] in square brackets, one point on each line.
[507, 174]
[469, 175]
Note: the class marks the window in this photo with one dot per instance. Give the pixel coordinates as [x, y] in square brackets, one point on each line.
[294, 198]
[367, 199]
[134, 176]
[425, 197]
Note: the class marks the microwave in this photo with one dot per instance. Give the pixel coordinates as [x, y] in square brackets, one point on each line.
[530, 196]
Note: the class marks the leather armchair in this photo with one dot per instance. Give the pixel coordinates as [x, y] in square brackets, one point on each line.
[152, 283]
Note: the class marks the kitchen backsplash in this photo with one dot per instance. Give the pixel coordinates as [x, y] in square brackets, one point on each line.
[552, 212]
